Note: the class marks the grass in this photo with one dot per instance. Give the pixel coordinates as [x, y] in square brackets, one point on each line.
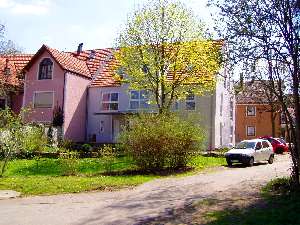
[281, 206]
[54, 176]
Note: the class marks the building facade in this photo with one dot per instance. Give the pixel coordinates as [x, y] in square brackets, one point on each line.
[110, 103]
[95, 104]
[256, 112]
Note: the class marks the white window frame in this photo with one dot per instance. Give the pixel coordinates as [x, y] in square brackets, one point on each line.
[138, 100]
[109, 102]
[247, 110]
[247, 133]
[38, 69]
[190, 101]
[36, 92]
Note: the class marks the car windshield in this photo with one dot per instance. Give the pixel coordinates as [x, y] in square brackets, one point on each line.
[281, 140]
[246, 144]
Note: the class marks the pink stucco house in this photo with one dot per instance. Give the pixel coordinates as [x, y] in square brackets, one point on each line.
[95, 104]
[61, 79]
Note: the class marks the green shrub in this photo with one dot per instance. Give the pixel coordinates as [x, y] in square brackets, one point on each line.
[108, 157]
[69, 163]
[161, 141]
[34, 139]
[66, 144]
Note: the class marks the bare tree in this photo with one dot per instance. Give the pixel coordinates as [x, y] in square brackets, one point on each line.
[6, 46]
[263, 39]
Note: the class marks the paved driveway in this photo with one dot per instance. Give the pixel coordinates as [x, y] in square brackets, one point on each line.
[133, 206]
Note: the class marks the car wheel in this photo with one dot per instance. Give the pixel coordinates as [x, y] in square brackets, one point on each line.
[229, 163]
[271, 159]
[251, 161]
[279, 151]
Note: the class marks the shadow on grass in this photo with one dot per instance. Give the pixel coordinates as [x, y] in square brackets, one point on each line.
[84, 167]
[281, 209]
[132, 172]
[278, 204]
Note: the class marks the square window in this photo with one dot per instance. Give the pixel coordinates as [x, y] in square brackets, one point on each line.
[250, 131]
[114, 97]
[43, 99]
[144, 104]
[105, 106]
[190, 105]
[139, 99]
[134, 95]
[144, 94]
[190, 97]
[134, 104]
[106, 97]
[114, 106]
[251, 110]
[110, 101]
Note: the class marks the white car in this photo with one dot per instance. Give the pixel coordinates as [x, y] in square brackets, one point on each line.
[250, 151]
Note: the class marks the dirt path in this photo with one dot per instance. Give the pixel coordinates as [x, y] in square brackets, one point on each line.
[158, 198]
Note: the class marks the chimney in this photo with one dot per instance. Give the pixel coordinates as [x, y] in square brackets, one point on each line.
[7, 69]
[79, 48]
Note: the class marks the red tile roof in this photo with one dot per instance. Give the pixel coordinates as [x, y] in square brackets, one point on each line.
[15, 64]
[66, 60]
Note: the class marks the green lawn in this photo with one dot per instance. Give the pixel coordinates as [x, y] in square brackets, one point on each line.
[54, 176]
[280, 208]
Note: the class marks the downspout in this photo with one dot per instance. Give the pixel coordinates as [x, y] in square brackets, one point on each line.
[212, 103]
[63, 104]
[86, 113]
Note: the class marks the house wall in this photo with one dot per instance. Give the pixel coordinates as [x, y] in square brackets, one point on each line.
[95, 115]
[262, 122]
[224, 124]
[75, 107]
[206, 114]
[16, 102]
[32, 84]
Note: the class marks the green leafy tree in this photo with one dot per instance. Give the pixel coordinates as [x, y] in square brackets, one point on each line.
[164, 49]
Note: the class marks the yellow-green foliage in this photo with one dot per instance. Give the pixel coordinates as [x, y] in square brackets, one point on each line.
[164, 49]
[162, 141]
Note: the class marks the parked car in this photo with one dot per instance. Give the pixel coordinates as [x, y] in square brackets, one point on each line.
[249, 151]
[278, 144]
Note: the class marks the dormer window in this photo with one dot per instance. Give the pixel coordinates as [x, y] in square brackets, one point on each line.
[45, 69]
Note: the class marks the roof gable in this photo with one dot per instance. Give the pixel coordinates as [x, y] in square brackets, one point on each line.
[66, 60]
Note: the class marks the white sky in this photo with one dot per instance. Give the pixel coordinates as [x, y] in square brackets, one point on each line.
[62, 24]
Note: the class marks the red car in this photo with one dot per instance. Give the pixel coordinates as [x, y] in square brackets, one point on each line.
[278, 144]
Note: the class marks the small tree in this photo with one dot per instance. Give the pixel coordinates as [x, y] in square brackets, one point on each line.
[11, 135]
[161, 141]
[15, 137]
[164, 50]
